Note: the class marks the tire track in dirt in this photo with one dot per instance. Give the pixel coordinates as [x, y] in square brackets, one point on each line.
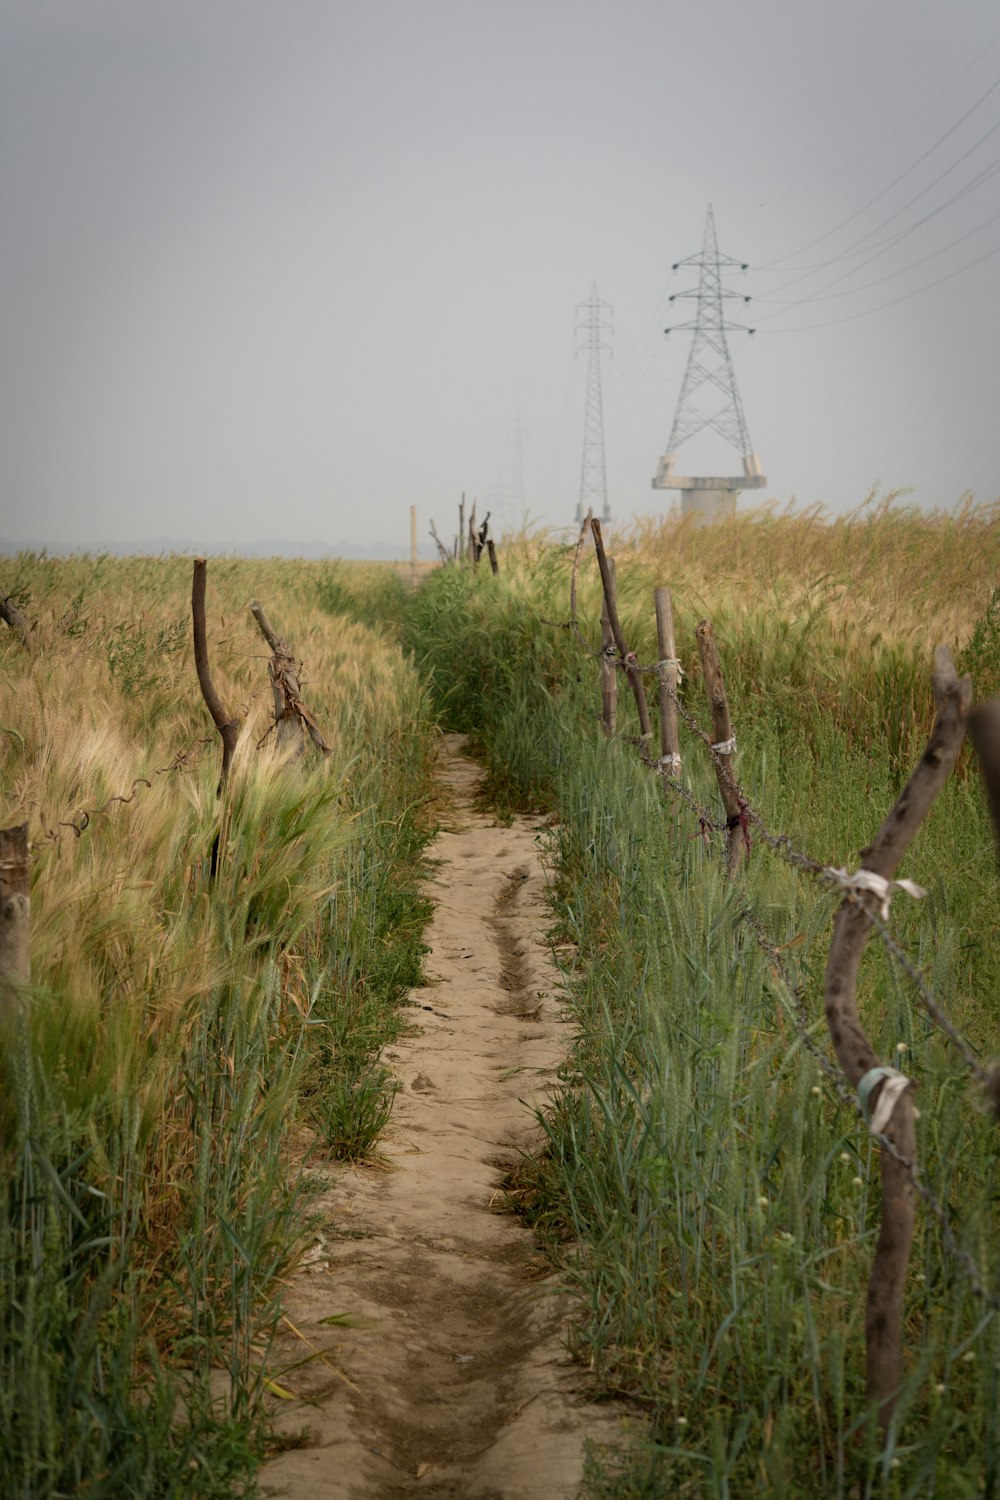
[450, 1379]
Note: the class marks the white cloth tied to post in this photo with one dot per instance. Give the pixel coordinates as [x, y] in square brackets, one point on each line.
[867, 880]
[894, 1086]
[670, 762]
[671, 661]
[726, 747]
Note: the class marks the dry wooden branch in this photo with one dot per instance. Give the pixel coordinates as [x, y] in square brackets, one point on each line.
[289, 710]
[609, 672]
[984, 732]
[442, 549]
[884, 1313]
[10, 613]
[627, 656]
[736, 828]
[15, 908]
[669, 736]
[223, 723]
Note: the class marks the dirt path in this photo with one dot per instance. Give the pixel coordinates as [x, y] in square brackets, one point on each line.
[449, 1378]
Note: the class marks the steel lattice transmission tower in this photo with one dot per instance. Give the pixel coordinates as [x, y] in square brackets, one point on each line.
[710, 374]
[591, 329]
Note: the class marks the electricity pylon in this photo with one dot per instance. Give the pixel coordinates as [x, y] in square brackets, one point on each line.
[710, 369]
[590, 331]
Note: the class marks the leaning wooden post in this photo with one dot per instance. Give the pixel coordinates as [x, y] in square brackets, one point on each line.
[289, 710]
[724, 744]
[15, 915]
[984, 732]
[670, 752]
[627, 656]
[857, 1057]
[284, 685]
[223, 723]
[443, 552]
[473, 537]
[460, 539]
[491, 548]
[609, 672]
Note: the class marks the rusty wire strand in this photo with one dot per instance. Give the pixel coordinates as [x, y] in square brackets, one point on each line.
[783, 846]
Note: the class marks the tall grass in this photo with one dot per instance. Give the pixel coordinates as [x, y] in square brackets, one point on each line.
[702, 1188]
[178, 1027]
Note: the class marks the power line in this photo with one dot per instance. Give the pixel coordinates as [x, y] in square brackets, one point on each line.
[905, 297]
[883, 192]
[983, 176]
[890, 275]
[872, 150]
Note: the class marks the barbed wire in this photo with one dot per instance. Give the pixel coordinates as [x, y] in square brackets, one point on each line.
[782, 845]
[80, 819]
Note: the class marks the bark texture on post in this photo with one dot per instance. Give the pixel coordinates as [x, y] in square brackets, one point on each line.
[984, 731]
[609, 672]
[223, 723]
[10, 613]
[884, 1312]
[15, 917]
[289, 710]
[722, 729]
[669, 680]
[443, 552]
[634, 676]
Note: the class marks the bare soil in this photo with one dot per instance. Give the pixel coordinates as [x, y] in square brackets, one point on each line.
[441, 1368]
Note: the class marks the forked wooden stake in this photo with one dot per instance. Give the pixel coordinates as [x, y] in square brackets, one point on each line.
[634, 676]
[884, 1313]
[736, 841]
[223, 723]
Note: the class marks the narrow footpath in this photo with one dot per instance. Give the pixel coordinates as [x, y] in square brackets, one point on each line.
[444, 1372]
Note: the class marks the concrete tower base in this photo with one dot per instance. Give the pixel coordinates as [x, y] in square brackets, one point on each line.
[708, 506]
[709, 498]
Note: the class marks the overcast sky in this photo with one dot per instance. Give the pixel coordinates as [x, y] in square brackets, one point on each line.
[284, 269]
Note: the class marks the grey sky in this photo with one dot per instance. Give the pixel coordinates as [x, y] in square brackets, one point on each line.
[284, 269]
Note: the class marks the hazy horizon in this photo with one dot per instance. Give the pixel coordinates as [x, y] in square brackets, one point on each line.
[283, 273]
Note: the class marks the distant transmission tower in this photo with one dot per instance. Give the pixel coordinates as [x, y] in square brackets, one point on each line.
[710, 373]
[590, 328]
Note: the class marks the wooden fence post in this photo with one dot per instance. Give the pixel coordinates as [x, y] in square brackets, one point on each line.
[460, 539]
[413, 546]
[15, 917]
[670, 762]
[473, 537]
[984, 732]
[857, 1057]
[10, 613]
[634, 676]
[722, 729]
[223, 723]
[609, 672]
[492, 550]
